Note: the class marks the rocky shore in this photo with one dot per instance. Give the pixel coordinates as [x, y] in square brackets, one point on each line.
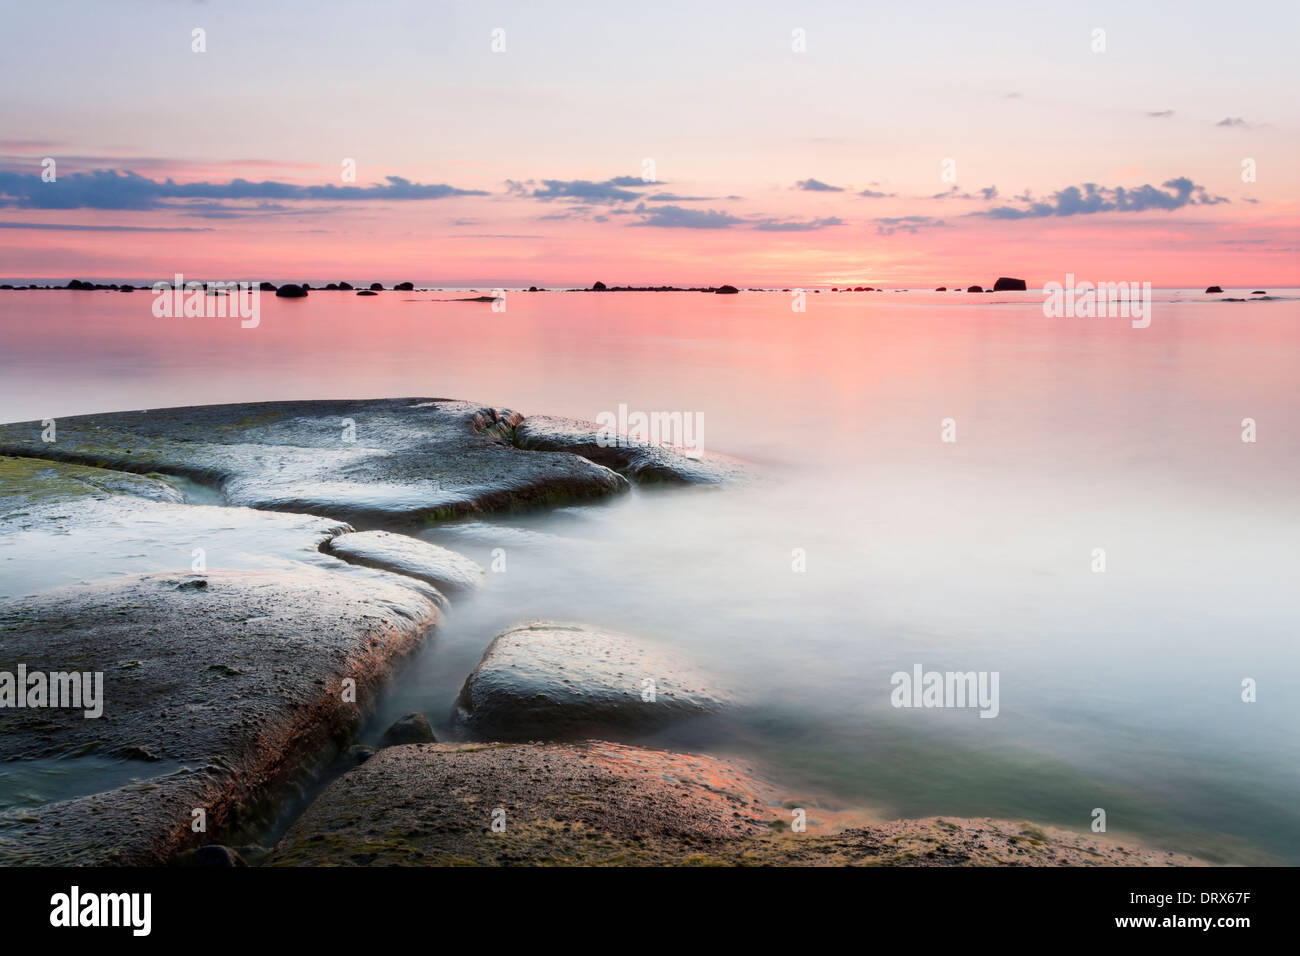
[247, 578]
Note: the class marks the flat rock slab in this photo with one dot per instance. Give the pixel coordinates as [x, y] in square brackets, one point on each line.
[547, 681]
[370, 462]
[599, 804]
[230, 683]
[641, 461]
[63, 523]
[408, 556]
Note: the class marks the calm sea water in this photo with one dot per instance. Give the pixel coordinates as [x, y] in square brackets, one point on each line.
[1120, 690]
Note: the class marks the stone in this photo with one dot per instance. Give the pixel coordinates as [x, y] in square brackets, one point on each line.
[412, 728]
[545, 680]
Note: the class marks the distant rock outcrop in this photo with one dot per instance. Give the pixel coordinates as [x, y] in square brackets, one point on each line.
[598, 287]
[1010, 285]
[1213, 288]
[266, 286]
[726, 290]
[974, 288]
[291, 291]
[376, 287]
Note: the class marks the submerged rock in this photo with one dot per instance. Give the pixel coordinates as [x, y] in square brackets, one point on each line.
[408, 556]
[557, 681]
[412, 728]
[641, 461]
[377, 462]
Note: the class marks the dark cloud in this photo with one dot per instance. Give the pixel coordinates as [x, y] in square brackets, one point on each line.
[1235, 122]
[124, 189]
[673, 197]
[888, 225]
[817, 186]
[1161, 114]
[784, 225]
[872, 194]
[1091, 198]
[679, 217]
[986, 193]
[78, 227]
[618, 189]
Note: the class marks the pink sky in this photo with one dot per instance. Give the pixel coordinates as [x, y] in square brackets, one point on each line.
[886, 152]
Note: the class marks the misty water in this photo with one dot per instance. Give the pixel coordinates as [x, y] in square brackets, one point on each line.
[863, 544]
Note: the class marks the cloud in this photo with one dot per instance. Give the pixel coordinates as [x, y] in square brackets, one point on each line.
[586, 191]
[673, 197]
[1073, 201]
[817, 186]
[1235, 122]
[888, 225]
[781, 225]
[986, 193]
[872, 194]
[78, 227]
[1160, 114]
[124, 189]
[679, 217]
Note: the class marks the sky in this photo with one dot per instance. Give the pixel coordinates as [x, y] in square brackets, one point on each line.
[560, 143]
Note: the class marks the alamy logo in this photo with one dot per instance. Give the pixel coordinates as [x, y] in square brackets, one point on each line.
[946, 689]
[685, 430]
[1103, 300]
[75, 909]
[77, 690]
[208, 300]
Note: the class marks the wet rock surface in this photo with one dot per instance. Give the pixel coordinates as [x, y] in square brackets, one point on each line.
[549, 681]
[368, 462]
[230, 690]
[412, 728]
[641, 461]
[605, 804]
[401, 554]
